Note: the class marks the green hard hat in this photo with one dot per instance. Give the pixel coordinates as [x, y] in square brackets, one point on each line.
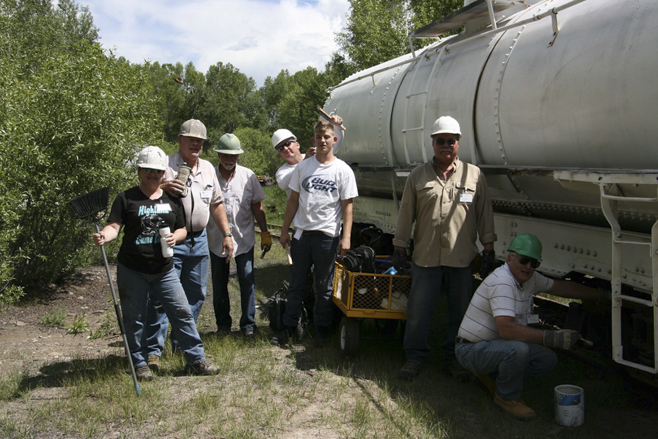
[527, 245]
[228, 144]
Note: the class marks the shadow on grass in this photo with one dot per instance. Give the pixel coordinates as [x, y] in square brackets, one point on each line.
[616, 406]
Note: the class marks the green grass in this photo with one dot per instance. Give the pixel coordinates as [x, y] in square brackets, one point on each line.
[55, 318]
[265, 391]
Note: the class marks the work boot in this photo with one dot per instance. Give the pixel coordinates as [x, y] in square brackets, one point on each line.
[321, 336]
[457, 372]
[516, 408]
[282, 337]
[143, 373]
[409, 370]
[488, 382]
[154, 362]
[203, 368]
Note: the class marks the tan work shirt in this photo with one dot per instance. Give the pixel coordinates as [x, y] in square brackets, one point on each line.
[449, 215]
[203, 192]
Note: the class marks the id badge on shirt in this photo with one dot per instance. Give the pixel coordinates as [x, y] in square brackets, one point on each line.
[465, 198]
[206, 194]
[465, 195]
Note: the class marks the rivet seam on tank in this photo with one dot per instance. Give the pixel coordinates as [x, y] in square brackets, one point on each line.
[496, 111]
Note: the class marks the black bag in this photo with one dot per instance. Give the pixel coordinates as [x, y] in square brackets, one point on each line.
[276, 306]
[360, 260]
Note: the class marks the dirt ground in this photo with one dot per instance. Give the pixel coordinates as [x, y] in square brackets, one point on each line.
[26, 345]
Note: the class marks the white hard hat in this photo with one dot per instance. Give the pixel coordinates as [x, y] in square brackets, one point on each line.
[446, 124]
[281, 135]
[152, 157]
[193, 128]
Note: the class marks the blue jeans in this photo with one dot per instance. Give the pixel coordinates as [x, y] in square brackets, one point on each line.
[507, 361]
[311, 249]
[192, 266]
[134, 291]
[221, 301]
[425, 289]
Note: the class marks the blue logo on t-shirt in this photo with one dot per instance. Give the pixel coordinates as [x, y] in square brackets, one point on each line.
[314, 183]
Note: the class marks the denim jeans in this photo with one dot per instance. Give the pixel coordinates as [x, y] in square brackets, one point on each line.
[311, 249]
[508, 361]
[192, 266]
[221, 301]
[134, 291]
[425, 289]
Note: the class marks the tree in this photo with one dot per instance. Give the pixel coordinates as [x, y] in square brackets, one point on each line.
[377, 30]
[225, 99]
[71, 120]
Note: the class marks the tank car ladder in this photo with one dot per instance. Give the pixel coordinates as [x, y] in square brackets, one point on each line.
[609, 206]
[610, 196]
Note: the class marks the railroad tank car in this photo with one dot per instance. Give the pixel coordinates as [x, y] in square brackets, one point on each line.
[556, 100]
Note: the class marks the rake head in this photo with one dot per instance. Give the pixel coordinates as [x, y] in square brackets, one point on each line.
[93, 204]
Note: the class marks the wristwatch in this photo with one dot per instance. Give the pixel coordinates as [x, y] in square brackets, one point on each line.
[229, 234]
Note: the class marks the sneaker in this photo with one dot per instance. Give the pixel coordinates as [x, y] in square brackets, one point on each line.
[409, 370]
[321, 336]
[154, 362]
[516, 408]
[203, 368]
[282, 337]
[457, 372]
[248, 332]
[488, 382]
[143, 373]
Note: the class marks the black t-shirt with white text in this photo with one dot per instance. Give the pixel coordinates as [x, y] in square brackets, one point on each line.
[142, 219]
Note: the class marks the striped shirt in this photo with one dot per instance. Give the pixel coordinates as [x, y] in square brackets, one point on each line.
[500, 295]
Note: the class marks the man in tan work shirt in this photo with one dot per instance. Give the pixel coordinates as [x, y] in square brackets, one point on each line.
[448, 201]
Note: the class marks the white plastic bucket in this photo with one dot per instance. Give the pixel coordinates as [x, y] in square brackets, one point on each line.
[569, 405]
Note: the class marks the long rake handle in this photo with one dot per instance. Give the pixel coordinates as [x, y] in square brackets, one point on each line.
[117, 309]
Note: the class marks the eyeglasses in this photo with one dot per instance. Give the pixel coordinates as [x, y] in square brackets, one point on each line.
[280, 146]
[151, 171]
[440, 141]
[524, 260]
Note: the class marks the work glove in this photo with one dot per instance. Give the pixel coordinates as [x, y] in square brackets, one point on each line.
[399, 259]
[265, 242]
[487, 263]
[561, 339]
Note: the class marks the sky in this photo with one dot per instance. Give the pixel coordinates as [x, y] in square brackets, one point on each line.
[258, 37]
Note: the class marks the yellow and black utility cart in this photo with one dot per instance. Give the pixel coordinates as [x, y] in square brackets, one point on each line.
[367, 296]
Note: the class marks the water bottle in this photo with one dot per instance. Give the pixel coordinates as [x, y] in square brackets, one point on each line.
[167, 251]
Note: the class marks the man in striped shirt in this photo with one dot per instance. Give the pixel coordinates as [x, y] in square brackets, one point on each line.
[494, 340]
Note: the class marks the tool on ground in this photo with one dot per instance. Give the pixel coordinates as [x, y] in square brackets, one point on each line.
[93, 206]
[328, 117]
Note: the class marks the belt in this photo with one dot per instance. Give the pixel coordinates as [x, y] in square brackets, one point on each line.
[461, 340]
[313, 232]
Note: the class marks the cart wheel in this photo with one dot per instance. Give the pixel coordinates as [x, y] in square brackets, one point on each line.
[349, 336]
[386, 327]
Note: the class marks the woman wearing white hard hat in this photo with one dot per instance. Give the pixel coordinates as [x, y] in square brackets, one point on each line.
[146, 212]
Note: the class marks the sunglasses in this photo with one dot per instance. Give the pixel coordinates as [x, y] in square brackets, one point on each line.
[440, 141]
[151, 171]
[524, 260]
[280, 147]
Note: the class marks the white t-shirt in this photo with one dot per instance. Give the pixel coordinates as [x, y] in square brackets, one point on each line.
[321, 189]
[283, 176]
[239, 194]
[284, 173]
[500, 295]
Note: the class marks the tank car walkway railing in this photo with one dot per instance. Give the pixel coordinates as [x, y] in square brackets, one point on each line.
[607, 183]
